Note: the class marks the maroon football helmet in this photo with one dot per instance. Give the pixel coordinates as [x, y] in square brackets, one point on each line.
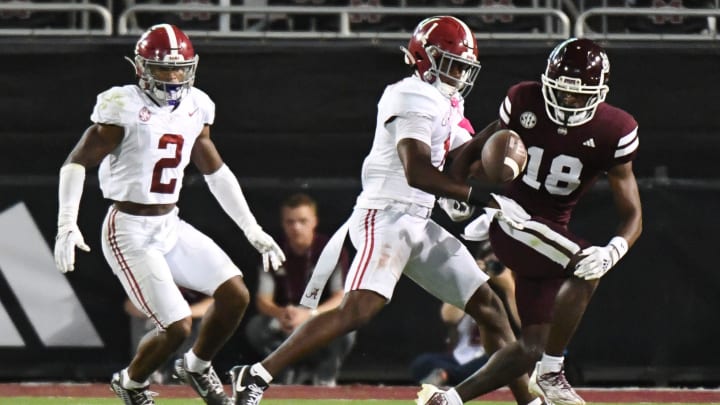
[436, 48]
[575, 66]
[165, 47]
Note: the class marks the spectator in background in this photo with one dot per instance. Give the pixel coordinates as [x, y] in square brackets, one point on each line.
[141, 325]
[279, 293]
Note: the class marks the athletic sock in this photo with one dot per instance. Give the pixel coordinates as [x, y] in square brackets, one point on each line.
[260, 371]
[551, 364]
[129, 383]
[453, 397]
[536, 401]
[194, 364]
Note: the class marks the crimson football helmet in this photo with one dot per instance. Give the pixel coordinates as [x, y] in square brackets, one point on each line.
[165, 47]
[439, 46]
[575, 66]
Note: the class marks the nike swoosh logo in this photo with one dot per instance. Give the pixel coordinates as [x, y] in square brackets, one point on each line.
[201, 391]
[190, 114]
[238, 384]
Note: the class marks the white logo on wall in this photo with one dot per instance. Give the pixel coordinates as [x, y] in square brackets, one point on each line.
[45, 295]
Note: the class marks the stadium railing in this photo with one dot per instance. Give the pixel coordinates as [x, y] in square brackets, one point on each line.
[558, 28]
[104, 14]
[584, 29]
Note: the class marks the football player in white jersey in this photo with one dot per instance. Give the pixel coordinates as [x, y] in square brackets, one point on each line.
[143, 136]
[420, 121]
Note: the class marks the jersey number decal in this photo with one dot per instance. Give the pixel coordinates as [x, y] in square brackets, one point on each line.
[157, 185]
[564, 176]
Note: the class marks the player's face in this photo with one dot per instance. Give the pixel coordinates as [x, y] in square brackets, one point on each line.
[455, 71]
[168, 74]
[299, 225]
[571, 100]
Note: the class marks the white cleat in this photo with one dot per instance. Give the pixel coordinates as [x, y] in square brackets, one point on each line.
[553, 388]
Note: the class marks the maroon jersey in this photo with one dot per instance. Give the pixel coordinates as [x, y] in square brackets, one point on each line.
[563, 162]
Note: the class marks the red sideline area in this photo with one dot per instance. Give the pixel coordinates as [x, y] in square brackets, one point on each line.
[363, 392]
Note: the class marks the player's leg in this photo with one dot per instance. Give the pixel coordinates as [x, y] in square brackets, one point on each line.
[539, 254]
[198, 263]
[446, 269]
[144, 274]
[570, 304]
[370, 282]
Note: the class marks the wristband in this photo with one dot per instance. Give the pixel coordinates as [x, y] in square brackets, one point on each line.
[619, 245]
[475, 197]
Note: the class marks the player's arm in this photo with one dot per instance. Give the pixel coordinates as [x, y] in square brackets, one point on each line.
[225, 187]
[470, 152]
[598, 260]
[627, 201]
[420, 172]
[97, 141]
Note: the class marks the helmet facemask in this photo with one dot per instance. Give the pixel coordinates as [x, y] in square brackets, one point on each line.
[166, 92]
[442, 66]
[567, 115]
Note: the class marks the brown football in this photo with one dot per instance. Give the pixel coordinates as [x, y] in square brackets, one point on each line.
[503, 156]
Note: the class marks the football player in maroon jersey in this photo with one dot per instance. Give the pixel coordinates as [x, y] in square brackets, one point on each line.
[572, 137]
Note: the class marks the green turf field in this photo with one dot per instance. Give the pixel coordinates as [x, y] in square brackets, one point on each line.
[160, 401]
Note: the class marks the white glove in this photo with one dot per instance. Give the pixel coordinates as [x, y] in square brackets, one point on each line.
[67, 239]
[456, 210]
[598, 260]
[271, 253]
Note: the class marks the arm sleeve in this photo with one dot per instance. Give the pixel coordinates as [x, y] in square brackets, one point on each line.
[225, 187]
[72, 180]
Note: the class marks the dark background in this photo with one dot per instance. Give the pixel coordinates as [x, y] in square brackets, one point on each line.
[300, 116]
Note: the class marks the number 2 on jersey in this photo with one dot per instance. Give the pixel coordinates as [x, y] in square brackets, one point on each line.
[564, 175]
[157, 186]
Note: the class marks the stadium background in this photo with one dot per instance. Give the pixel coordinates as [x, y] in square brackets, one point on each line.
[299, 115]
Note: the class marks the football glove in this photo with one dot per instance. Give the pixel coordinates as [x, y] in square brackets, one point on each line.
[598, 260]
[456, 210]
[271, 253]
[68, 238]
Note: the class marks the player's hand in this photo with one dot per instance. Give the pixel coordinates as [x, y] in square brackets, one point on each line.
[456, 210]
[596, 262]
[271, 253]
[67, 239]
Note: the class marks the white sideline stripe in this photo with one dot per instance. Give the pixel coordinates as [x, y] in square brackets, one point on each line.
[43, 292]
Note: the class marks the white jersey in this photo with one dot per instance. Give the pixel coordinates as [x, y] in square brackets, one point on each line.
[383, 175]
[148, 165]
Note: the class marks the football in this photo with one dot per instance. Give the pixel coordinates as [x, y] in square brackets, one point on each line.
[503, 156]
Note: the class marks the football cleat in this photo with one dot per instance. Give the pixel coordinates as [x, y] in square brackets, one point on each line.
[138, 396]
[207, 384]
[553, 387]
[431, 395]
[248, 389]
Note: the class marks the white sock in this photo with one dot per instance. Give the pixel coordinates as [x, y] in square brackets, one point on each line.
[258, 370]
[453, 397]
[195, 364]
[128, 382]
[551, 364]
[536, 401]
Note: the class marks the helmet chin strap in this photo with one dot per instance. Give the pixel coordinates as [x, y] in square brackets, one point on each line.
[444, 88]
